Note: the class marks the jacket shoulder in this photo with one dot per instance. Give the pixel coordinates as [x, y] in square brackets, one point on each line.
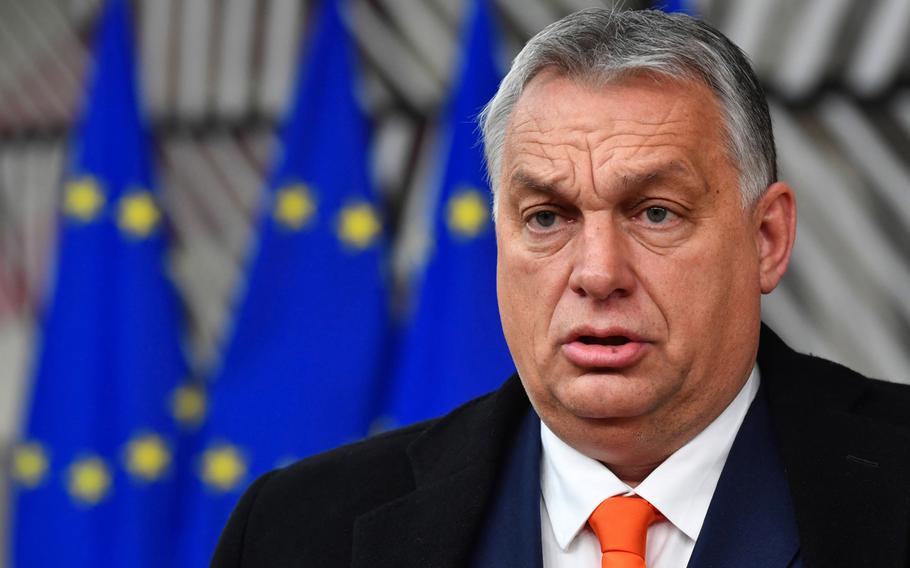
[882, 401]
[817, 380]
[306, 511]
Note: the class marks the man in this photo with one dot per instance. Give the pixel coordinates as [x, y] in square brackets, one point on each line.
[653, 420]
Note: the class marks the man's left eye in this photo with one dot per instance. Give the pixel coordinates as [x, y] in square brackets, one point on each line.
[659, 215]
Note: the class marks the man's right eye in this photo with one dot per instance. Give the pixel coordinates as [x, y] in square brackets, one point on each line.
[544, 219]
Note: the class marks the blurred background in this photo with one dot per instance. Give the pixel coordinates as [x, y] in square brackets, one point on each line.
[217, 80]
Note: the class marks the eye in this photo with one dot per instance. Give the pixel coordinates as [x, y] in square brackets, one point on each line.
[659, 215]
[544, 219]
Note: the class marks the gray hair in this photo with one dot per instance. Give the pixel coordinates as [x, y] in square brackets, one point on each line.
[602, 45]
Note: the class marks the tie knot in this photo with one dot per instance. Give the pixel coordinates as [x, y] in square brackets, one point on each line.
[621, 524]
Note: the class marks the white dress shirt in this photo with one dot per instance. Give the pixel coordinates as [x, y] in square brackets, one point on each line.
[573, 485]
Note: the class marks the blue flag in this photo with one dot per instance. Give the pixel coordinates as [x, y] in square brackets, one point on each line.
[93, 474]
[682, 6]
[454, 348]
[300, 373]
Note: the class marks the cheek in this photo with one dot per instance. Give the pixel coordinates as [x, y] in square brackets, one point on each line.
[512, 283]
[702, 290]
[528, 289]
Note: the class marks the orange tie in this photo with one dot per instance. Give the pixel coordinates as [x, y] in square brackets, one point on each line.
[621, 525]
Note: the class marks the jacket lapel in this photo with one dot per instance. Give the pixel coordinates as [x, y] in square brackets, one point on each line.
[849, 474]
[510, 537]
[455, 465]
[750, 522]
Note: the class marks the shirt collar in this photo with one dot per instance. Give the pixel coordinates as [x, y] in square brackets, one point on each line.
[681, 488]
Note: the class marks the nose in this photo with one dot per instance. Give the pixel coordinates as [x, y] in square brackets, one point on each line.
[602, 266]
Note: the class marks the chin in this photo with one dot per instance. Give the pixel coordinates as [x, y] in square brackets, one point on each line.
[606, 395]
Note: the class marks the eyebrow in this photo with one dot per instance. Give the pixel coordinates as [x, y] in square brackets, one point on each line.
[527, 181]
[669, 170]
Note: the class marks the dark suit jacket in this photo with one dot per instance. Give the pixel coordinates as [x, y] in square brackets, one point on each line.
[418, 496]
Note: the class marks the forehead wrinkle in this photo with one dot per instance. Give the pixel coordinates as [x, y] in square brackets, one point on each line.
[553, 159]
[641, 128]
[529, 123]
[543, 156]
[679, 106]
[605, 157]
[648, 122]
[636, 134]
[591, 171]
[663, 170]
[570, 133]
[634, 138]
[564, 137]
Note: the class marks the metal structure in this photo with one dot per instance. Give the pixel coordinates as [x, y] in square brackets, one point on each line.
[217, 74]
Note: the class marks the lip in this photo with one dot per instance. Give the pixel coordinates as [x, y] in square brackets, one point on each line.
[592, 356]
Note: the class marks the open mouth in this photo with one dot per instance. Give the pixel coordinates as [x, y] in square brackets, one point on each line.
[609, 349]
[611, 340]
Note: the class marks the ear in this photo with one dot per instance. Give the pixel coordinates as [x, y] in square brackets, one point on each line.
[775, 232]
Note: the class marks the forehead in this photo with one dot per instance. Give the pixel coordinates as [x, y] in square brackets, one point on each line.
[639, 118]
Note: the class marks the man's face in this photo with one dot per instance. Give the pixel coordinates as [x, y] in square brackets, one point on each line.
[628, 272]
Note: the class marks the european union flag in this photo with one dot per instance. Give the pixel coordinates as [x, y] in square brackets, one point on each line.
[93, 473]
[454, 349]
[682, 6]
[300, 373]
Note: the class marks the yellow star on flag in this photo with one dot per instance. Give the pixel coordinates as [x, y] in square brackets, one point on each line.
[147, 457]
[467, 213]
[188, 405]
[294, 206]
[358, 225]
[138, 215]
[223, 467]
[88, 480]
[82, 199]
[30, 464]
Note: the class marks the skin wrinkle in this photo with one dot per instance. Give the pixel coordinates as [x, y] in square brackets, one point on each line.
[689, 286]
[592, 180]
[588, 149]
